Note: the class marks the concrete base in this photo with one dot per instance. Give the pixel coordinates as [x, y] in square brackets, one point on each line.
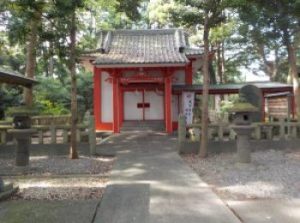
[190, 147]
[48, 211]
[8, 191]
[267, 211]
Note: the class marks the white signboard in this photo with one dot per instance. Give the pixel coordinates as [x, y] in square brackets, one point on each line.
[188, 106]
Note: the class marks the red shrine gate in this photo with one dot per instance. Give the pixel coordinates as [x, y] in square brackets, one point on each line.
[139, 75]
[134, 71]
[141, 94]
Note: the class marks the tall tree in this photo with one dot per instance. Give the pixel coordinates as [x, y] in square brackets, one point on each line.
[281, 19]
[23, 24]
[205, 14]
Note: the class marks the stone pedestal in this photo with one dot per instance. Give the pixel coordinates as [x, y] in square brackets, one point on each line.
[6, 190]
[243, 142]
[1, 184]
[23, 138]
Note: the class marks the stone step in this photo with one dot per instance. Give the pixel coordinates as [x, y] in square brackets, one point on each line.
[124, 204]
[143, 126]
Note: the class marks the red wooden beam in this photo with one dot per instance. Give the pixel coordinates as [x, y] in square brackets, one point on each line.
[116, 103]
[168, 104]
[97, 97]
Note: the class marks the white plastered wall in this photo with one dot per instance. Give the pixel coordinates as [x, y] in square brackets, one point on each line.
[106, 99]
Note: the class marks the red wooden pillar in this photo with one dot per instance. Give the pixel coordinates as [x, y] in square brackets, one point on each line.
[121, 106]
[116, 104]
[97, 96]
[189, 73]
[168, 104]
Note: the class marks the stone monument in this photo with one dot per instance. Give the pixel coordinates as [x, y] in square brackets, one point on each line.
[253, 95]
[22, 132]
[242, 118]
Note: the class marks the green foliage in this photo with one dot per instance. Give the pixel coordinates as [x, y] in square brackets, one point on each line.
[47, 107]
[52, 97]
[9, 96]
[20, 110]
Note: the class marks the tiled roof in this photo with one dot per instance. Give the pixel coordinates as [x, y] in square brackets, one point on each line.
[133, 47]
[189, 51]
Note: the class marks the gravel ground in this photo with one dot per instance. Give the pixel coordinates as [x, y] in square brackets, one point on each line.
[70, 188]
[59, 178]
[58, 165]
[272, 174]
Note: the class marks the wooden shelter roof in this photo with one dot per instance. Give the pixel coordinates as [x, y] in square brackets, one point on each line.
[14, 78]
[266, 86]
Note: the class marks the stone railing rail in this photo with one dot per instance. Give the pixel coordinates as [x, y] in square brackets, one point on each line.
[51, 120]
[84, 131]
[224, 131]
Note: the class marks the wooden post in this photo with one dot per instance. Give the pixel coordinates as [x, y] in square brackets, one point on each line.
[168, 104]
[116, 106]
[97, 95]
[92, 135]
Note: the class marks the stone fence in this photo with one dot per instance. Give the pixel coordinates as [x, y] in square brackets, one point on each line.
[49, 134]
[221, 133]
[51, 120]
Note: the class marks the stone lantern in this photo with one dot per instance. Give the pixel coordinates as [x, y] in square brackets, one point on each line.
[22, 132]
[242, 118]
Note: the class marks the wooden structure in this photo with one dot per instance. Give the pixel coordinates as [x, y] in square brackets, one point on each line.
[16, 79]
[268, 90]
[279, 105]
[134, 71]
[139, 75]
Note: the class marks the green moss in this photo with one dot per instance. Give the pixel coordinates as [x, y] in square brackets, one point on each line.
[21, 110]
[242, 107]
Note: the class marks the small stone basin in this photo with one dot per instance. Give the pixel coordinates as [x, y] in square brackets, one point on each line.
[243, 129]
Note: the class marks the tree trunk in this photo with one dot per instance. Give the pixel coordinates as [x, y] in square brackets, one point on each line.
[73, 147]
[204, 118]
[219, 63]
[295, 80]
[224, 79]
[31, 58]
[293, 72]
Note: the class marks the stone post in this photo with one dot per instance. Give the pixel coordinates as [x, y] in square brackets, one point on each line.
[22, 134]
[242, 119]
[243, 144]
[1, 184]
[92, 135]
[181, 129]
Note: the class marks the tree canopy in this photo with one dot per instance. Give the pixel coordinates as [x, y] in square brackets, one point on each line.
[43, 39]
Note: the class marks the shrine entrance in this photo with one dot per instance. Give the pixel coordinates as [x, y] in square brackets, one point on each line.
[142, 105]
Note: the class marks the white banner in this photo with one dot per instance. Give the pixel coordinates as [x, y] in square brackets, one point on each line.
[188, 99]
